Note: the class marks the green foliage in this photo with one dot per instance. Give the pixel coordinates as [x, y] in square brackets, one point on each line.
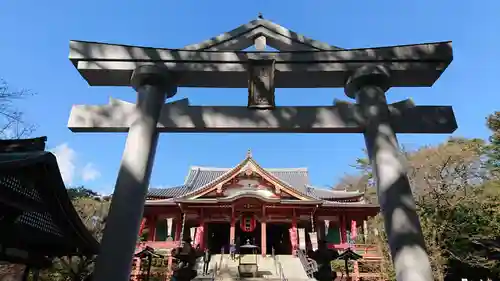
[471, 219]
[491, 188]
[339, 266]
[457, 203]
[93, 212]
[80, 192]
[493, 149]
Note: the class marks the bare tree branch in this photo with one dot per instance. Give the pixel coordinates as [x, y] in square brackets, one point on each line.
[12, 123]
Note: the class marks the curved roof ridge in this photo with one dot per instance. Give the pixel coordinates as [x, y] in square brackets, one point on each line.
[165, 192]
[334, 191]
[167, 187]
[162, 200]
[208, 168]
[302, 169]
[251, 194]
[205, 168]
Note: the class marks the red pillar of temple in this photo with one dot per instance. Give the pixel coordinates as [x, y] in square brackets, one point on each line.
[232, 231]
[343, 230]
[263, 240]
[294, 239]
[294, 219]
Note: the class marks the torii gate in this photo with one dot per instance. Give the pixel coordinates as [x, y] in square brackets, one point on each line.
[365, 74]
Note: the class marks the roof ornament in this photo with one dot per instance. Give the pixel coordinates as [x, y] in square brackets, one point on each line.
[249, 153]
[308, 189]
[260, 16]
[248, 171]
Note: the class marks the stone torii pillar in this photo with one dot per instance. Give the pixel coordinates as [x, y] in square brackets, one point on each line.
[368, 86]
[153, 86]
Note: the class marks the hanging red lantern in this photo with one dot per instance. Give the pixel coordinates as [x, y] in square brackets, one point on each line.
[248, 223]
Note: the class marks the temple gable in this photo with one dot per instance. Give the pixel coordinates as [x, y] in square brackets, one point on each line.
[248, 184]
[248, 178]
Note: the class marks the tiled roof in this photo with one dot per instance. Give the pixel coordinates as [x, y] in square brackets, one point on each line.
[322, 193]
[168, 192]
[201, 176]
[298, 178]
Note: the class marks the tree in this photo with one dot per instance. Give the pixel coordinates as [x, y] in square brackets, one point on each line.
[93, 212]
[449, 184]
[361, 183]
[493, 149]
[474, 218]
[12, 123]
[80, 192]
[352, 183]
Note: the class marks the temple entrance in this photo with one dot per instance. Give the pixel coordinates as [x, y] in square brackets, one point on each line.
[278, 237]
[217, 237]
[253, 237]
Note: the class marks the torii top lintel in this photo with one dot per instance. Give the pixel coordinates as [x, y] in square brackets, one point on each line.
[276, 35]
[220, 62]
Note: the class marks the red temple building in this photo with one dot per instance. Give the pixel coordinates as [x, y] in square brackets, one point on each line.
[272, 208]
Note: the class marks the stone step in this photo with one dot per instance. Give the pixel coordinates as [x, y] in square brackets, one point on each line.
[218, 278]
[292, 267]
[228, 269]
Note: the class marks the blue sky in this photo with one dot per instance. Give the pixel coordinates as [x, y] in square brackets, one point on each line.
[34, 51]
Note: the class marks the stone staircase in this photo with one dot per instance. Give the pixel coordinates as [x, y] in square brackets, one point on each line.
[292, 268]
[285, 267]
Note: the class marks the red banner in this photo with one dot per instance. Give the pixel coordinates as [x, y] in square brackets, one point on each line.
[353, 230]
[293, 237]
[198, 238]
[143, 225]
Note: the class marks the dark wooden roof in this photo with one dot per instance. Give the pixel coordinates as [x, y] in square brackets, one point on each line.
[23, 145]
[38, 217]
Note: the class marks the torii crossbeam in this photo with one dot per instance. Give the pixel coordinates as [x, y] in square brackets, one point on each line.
[365, 74]
[180, 117]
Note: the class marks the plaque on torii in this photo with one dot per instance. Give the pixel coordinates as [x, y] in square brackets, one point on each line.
[365, 74]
